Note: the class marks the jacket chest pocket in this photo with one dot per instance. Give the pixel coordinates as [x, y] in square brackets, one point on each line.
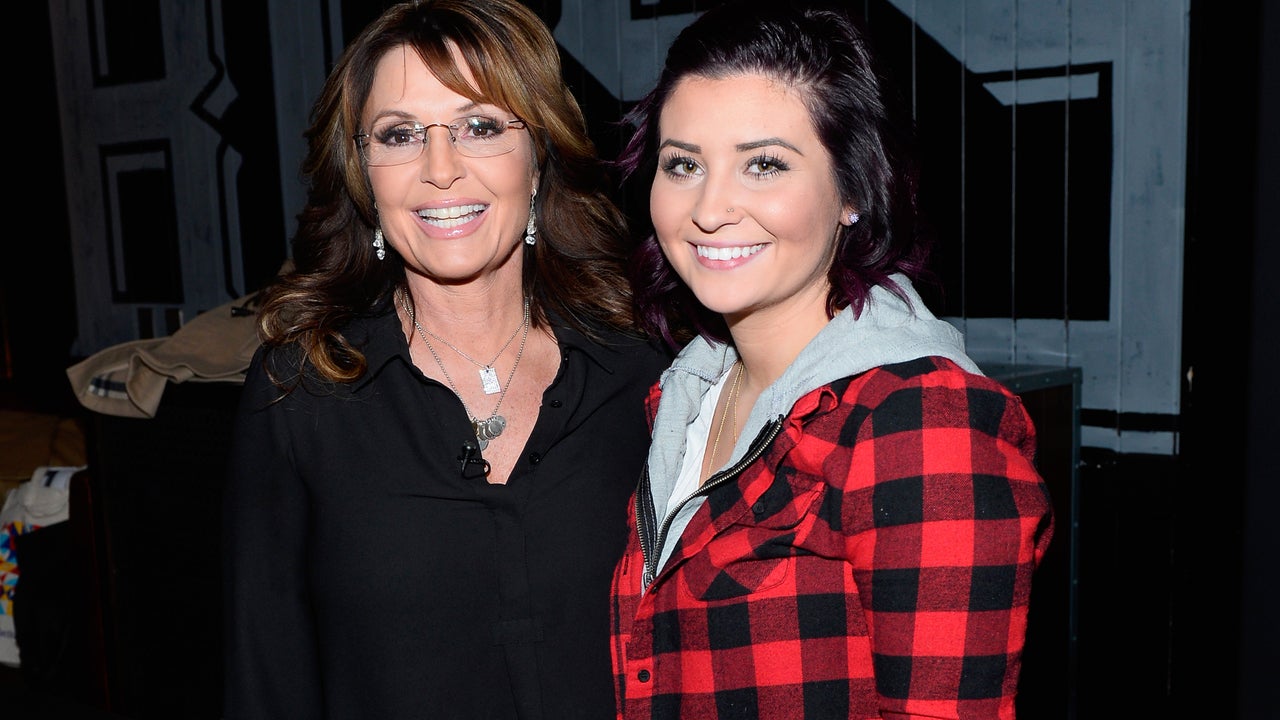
[755, 554]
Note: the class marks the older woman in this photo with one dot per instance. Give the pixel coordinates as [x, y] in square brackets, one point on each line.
[439, 435]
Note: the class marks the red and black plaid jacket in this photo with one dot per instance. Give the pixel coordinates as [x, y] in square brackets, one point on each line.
[873, 560]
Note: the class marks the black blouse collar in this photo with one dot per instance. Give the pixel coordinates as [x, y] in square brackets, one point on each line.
[381, 339]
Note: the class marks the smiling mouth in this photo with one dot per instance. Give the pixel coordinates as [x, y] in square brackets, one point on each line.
[728, 253]
[451, 217]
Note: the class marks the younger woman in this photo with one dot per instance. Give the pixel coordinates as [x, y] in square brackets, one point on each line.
[840, 515]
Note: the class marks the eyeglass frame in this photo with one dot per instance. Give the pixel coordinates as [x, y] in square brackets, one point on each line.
[363, 139]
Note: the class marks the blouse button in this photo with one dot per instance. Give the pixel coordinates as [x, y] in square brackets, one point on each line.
[534, 458]
[759, 507]
[556, 403]
[643, 676]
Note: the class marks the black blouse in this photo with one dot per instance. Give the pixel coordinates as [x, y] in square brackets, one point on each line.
[367, 577]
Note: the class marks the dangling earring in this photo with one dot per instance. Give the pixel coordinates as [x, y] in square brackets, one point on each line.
[379, 247]
[530, 230]
[853, 217]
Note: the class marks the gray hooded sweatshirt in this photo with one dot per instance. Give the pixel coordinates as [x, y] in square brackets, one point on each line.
[889, 331]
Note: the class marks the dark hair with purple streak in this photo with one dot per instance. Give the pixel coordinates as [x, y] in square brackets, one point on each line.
[821, 51]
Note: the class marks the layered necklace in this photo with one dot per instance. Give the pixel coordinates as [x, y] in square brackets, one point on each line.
[492, 426]
[488, 375]
[730, 411]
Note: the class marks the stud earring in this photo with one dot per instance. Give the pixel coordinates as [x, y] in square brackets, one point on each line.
[379, 247]
[853, 217]
[531, 229]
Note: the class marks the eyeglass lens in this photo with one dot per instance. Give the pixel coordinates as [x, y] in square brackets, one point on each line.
[397, 141]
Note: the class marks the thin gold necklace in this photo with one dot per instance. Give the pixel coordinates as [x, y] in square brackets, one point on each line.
[492, 427]
[730, 410]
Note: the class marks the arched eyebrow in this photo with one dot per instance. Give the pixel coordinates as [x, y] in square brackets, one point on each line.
[767, 142]
[460, 111]
[740, 147]
[687, 147]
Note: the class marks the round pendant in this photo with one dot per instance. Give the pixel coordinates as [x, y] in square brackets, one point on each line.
[487, 430]
[495, 425]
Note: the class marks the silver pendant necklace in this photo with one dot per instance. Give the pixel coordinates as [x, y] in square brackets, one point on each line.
[488, 375]
[491, 427]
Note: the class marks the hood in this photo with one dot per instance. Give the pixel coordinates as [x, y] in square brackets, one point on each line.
[889, 331]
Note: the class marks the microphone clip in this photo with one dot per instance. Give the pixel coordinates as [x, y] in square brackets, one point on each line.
[472, 464]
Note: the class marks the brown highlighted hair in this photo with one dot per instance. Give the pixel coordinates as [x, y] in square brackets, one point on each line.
[575, 270]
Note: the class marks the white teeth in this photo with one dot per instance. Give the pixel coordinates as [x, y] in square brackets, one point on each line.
[446, 224]
[728, 253]
[449, 217]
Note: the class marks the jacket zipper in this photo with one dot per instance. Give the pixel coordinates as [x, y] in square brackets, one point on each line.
[646, 514]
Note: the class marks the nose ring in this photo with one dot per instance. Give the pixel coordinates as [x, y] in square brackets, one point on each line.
[729, 210]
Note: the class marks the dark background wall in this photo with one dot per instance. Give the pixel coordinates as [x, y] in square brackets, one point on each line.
[1178, 577]
[1226, 497]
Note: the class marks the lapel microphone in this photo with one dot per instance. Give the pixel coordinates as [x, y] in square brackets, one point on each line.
[471, 456]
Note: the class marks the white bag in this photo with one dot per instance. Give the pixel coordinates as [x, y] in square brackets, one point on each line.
[42, 500]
